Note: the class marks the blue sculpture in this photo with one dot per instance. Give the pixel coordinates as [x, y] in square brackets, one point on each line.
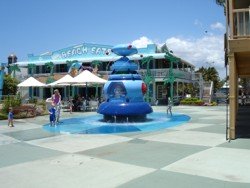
[125, 89]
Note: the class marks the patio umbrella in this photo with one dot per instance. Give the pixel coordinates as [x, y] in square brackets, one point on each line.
[62, 81]
[31, 82]
[86, 77]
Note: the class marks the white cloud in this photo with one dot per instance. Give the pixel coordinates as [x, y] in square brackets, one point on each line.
[142, 42]
[218, 26]
[205, 51]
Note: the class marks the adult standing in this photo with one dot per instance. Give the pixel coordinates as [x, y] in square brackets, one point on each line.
[56, 99]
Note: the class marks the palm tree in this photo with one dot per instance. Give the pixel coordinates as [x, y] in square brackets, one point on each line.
[148, 79]
[210, 74]
[14, 68]
[220, 2]
[171, 76]
[96, 64]
[50, 66]
[31, 67]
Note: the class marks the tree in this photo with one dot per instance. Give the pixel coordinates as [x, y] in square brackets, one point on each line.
[50, 66]
[14, 68]
[9, 85]
[220, 2]
[96, 64]
[31, 68]
[210, 74]
[148, 79]
[171, 77]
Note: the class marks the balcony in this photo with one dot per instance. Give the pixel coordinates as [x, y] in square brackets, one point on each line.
[241, 23]
[160, 73]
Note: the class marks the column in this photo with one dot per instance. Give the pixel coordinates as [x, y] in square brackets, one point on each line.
[232, 95]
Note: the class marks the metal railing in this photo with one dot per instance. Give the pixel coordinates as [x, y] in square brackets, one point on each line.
[241, 23]
[162, 73]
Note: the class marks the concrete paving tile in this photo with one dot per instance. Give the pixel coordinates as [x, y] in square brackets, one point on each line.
[210, 121]
[76, 143]
[189, 126]
[144, 153]
[143, 134]
[21, 152]
[225, 164]
[18, 127]
[208, 113]
[7, 140]
[30, 134]
[212, 129]
[188, 137]
[220, 117]
[71, 170]
[161, 179]
[239, 143]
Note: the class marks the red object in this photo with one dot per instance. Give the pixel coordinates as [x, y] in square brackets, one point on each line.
[129, 46]
[143, 88]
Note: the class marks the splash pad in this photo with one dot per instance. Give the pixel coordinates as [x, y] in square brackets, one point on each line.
[94, 124]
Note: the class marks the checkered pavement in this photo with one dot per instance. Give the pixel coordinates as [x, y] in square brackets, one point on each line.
[195, 154]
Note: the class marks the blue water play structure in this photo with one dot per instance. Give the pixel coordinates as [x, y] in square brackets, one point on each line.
[125, 89]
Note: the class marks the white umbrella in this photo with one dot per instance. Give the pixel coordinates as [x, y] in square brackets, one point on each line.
[86, 77]
[31, 82]
[62, 81]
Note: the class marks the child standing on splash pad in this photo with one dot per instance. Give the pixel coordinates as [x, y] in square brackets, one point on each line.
[169, 107]
[52, 115]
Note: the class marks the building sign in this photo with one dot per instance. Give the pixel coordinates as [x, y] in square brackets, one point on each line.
[84, 50]
[78, 51]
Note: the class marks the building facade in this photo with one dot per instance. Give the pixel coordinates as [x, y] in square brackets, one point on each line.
[88, 53]
[237, 45]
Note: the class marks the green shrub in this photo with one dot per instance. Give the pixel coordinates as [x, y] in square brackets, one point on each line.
[11, 101]
[214, 104]
[3, 116]
[192, 101]
[34, 100]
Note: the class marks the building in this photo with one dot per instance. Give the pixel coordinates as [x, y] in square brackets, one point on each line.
[87, 53]
[237, 45]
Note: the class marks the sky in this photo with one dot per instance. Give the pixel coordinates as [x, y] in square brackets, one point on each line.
[192, 29]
